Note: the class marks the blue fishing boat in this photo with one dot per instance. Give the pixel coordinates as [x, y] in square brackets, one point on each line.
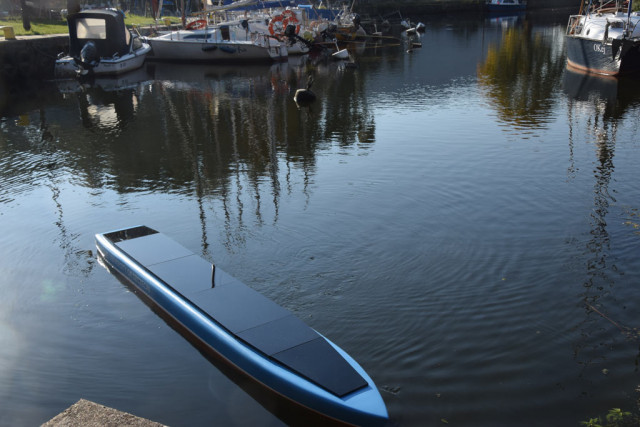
[246, 329]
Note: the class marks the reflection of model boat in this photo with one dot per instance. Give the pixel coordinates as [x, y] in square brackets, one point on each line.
[216, 45]
[100, 43]
[605, 40]
[253, 333]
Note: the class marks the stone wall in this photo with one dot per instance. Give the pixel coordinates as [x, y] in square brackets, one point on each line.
[31, 57]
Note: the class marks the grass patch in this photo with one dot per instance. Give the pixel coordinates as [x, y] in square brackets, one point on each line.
[41, 27]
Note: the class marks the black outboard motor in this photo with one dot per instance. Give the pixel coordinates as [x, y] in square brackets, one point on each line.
[330, 32]
[290, 31]
[89, 57]
[356, 20]
[290, 34]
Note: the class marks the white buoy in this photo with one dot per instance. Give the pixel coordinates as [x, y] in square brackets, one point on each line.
[340, 53]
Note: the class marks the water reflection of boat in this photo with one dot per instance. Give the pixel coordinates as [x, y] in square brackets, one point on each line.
[200, 73]
[263, 340]
[129, 80]
[617, 93]
[506, 6]
[604, 39]
[100, 43]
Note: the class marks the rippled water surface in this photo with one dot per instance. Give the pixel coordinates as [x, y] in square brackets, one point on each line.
[462, 219]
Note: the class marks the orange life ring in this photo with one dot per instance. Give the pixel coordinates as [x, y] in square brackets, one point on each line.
[289, 14]
[279, 29]
[290, 18]
[196, 25]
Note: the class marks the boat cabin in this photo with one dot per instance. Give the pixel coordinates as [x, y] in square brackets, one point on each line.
[104, 27]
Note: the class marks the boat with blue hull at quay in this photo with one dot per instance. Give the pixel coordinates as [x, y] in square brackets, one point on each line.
[604, 39]
[247, 330]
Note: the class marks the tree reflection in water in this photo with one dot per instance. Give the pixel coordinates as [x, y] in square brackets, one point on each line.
[226, 134]
[521, 74]
[607, 101]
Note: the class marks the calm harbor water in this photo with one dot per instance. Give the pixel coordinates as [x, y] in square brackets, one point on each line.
[463, 220]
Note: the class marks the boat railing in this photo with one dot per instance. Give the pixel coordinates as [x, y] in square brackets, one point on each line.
[631, 28]
[610, 6]
[574, 27]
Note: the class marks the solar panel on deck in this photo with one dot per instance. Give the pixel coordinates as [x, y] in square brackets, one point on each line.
[320, 363]
[153, 249]
[185, 275]
[239, 307]
[279, 335]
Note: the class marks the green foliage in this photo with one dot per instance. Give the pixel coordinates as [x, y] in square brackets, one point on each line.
[593, 422]
[615, 418]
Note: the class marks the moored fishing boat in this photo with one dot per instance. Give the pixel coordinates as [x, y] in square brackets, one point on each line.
[100, 44]
[261, 339]
[604, 39]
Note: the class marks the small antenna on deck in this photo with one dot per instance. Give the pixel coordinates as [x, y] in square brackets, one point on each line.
[213, 275]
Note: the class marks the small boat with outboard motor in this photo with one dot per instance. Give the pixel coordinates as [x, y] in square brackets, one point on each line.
[261, 339]
[604, 38]
[100, 44]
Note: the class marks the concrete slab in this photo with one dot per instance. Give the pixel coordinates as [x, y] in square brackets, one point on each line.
[89, 414]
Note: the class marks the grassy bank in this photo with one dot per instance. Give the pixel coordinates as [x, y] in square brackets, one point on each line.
[41, 27]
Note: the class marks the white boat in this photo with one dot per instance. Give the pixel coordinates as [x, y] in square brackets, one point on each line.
[289, 26]
[286, 26]
[100, 44]
[604, 39]
[215, 45]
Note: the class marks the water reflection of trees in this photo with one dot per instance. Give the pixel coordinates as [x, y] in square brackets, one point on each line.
[230, 135]
[520, 75]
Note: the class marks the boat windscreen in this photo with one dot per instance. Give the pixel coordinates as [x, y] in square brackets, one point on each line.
[91, 28]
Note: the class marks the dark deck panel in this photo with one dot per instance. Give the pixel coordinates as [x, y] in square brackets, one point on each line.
[238, 308]
[279, 335]
[186, 275]
[153, 249]
[320, 363]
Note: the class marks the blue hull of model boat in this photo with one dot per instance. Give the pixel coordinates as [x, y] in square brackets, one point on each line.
[352, 398]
